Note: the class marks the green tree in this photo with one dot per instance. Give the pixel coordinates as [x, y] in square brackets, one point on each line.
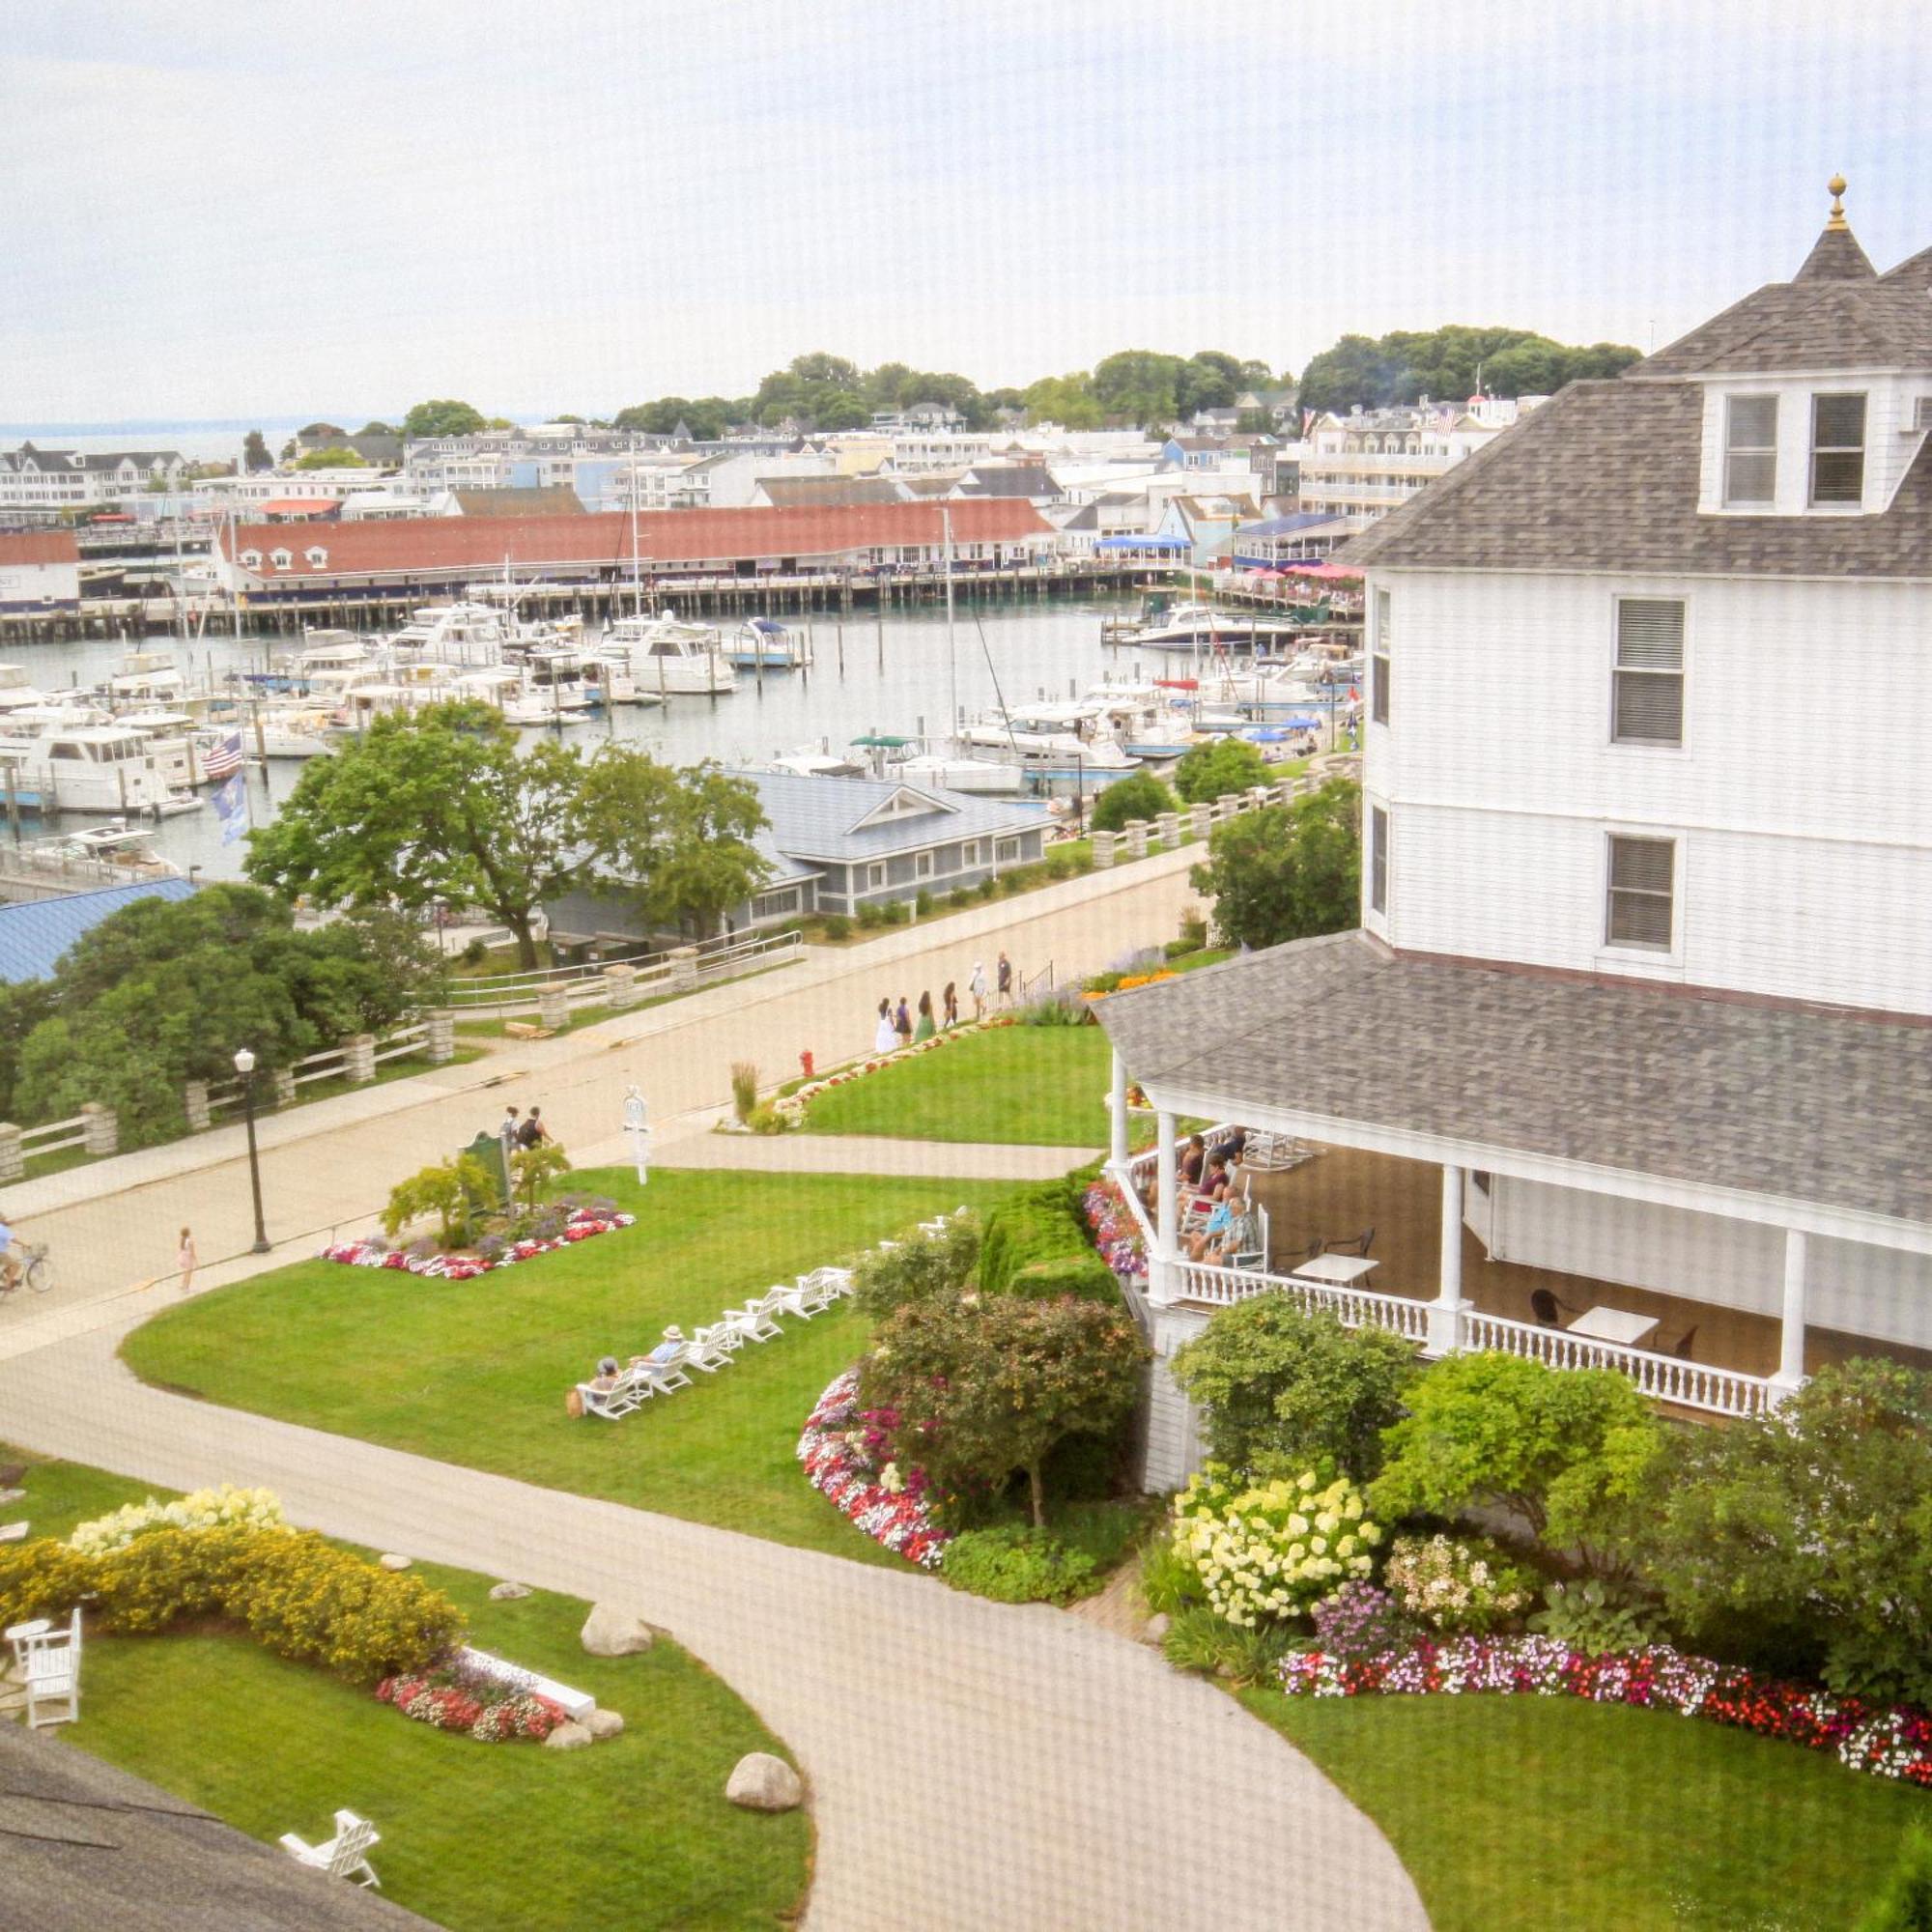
[917, 1268]
[985, 1388]
[459, 1192]
[1286, 1391]
[437, 806]
[336, 455]
[375, 426]
[1218, 766]
[1066, 400]
[1211, 379]
[1287, 871]
[535, 1171]
[1140, 384]
[677, 844]
[1140, 795]
[255, 454]
[705, 418]
[1575, 1453]
[1905, 1905]
[315, 431]
[443, 416]
[1355, 370]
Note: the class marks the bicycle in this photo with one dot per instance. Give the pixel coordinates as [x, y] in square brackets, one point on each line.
[36, 1272]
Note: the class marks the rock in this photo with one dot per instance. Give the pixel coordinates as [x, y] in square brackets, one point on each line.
[502, 1593]
[11, 1496]
[763, 1782]
[1155, 1631]
[609, 1632]
[390, 1560]
[568, 1737]
[603, 1724]
[13, 1532]
[11, 1474]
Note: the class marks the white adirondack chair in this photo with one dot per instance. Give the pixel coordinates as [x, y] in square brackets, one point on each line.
[612, 1403]
[344, 1856]
[709, 1349]
[754, 1322]
[48, 1661]
[823, 1286]
[659, 1378]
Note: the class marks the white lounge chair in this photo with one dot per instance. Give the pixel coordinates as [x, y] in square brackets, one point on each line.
[827, 1284]
[344, 1856]
[1276, 1153]
[754, 1322]
[792, 1300]
[48, 1659]
[612, 1403]
[659, 1378]
[709, 1349]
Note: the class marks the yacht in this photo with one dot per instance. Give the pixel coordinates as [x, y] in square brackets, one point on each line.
[63, 767]
[144, 678]
[16, 690]
[763, 643]
[958, 771]
[115, 852]
[669, 658]
[1047, 739]
[466, 634]
[1188, 627]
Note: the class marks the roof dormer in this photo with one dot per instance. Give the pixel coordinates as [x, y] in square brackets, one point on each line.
[902, 803]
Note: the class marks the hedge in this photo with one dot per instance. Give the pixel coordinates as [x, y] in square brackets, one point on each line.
[1085, 1275]
[1037, 1244]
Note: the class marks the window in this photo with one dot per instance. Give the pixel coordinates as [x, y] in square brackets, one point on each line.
[1649, 698]
[1641, 892]
[316, 554]
[969, 853]
[922, 866]
[875, 877]
[1379, 859]
[1750, 449]
[280, 558]
[1837, 449]
[775, 905]
[1007, 849]
[251, 558]
[1378, 694]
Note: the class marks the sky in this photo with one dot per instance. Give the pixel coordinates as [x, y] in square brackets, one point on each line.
[218, 207]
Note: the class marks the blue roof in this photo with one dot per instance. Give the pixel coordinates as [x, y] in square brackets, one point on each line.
[823, 817]
[1142, 543]
[33, 936]
[1280, 526]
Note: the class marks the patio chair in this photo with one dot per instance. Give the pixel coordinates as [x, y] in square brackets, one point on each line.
[785, 1298]
[1360, 1246]
[823, 1286]
[344, 1856]
[47, 1659]
[611, 1403]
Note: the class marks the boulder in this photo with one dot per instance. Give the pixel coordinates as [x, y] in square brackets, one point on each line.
[763, 1782]
[611, 1631]
[390, 1560]
[502, 1593]
[13, 1532]
[11, 1474]
[568, 1737]
[601, 1724]
[11, 1496]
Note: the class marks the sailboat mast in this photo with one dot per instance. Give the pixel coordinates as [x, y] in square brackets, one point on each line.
[951, 655]
[637, 587]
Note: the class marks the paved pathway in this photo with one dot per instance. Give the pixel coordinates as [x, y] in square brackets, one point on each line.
[973, 1766]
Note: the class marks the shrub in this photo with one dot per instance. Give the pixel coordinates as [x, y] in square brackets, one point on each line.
[1060, 864]
[896, 912]
[1141, 795]
[765, 1119]
[475, 952]
[918, 1268]
[1905, 1905]
[1038, 1225]
[744, 1088]
[1459, 1588]
[960, 896]
[44, 1579]
[1217, 766]
[1196, 1639]
[1193, 932]
[220, 1508]
[1287, 871]
[1050, 1007]
[988, 887]
[1011, 1565]
[1085, 1275]
[1269, 1550]
[870, 915]
[1593, 1617]
[1361, 1620]
[1168, 1582]
[922, 904]
[536, 1170]
[458, 1192]
[836, 926]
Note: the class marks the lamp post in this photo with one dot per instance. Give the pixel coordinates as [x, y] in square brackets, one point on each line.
[244, 1065]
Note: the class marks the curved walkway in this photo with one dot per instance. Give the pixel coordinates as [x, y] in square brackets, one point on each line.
[971, 1765]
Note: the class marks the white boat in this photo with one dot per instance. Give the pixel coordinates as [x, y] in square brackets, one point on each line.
[466, 634]
[1200, 625]
[959, 772]
[144, 678]
[289, 731]
[1051, 740]
[669, 658]
[115, 852]
[763, 643]
[16, 688]
[81, 768]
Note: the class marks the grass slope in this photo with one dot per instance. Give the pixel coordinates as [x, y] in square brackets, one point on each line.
[1582, 1817]
[634, 1833]
[476, 1372]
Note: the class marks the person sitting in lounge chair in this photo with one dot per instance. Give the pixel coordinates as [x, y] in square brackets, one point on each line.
[1241, 1235]
[668, 1349]
[607, 1376]
[1212, 1232]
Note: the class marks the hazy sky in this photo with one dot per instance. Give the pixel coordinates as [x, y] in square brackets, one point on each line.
[213, 208]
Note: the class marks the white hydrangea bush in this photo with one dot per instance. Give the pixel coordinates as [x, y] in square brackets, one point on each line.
[227, 1507]
[1264, 1551]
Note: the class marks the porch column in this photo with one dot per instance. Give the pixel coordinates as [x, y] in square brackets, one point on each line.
[1118, 1106]
[1790, 1375]
[1167, 1221]
[1445, 1311]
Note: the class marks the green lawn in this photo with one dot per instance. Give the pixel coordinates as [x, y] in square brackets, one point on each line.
[632, 1832]
[1572, 1817]
[476, 1371]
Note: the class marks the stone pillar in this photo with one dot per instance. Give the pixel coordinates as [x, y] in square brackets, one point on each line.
[440, 1040]
[283, 1082]
[683, 963]
[1162, 1268]
[1137, 832]
[1790, 1375]
[194, 1100]
[1116, 1100]
[1288, 791]
[1446, 1311]
[100, 1128]
[553, 1006]
[13, 1156]
[358, 1057]
[620, 987]
[1103, 851]
[1201, 817]
[1170, 829]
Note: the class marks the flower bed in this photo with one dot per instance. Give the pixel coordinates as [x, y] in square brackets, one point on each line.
[369, 1252]
[791, 1110]
[225, 1507]
[486, 1709]
[1117, 1234]
[839, 1450]
[1893, 1741]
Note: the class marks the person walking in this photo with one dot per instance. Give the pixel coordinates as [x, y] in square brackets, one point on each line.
[185, 1261]
[926, 1029]
[1005, 980]
[977, 986]
[950, 1005]
[885, 1036]
[902, 1022]
[533, 1133]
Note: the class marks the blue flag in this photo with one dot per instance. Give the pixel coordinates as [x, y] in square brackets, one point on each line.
[231, 807]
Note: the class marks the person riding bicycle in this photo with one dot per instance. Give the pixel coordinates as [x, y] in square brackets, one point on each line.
[10, 1258]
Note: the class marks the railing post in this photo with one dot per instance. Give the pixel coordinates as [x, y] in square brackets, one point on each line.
[13, 1155]
[100, 1128]
[1170, 829]
[1446, 1311]
[1202, 817]
[1137, 838]
[683, 960]
[284, 1080]
[620, 987]
[358, 1057]
[553, 1006]
[1103, 851]
[194, 1104]
[439, 1039]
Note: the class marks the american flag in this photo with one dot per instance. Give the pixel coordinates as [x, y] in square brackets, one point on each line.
[225, 760]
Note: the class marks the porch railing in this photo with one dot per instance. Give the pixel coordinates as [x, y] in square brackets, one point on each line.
[1352, 1307]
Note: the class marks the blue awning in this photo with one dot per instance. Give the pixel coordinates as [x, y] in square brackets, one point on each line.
[1143, 543]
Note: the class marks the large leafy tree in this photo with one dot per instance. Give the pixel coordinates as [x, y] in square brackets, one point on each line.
[705, 416]
[443, 416]
[439, 805]
[1066, 400]
[1139, 795]
[255, 452]
[336, 455]
[1140, 384]
[1445, 363]
[1218, 766]
[1287, 871]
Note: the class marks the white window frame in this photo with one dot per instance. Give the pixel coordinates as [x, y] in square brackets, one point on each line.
[1007, 852]
[1729, 497]
[1619, 670]
[1379, 859]
[1642, 948]
[922, 865]
[281, 558]
[969, 854]
[1816, 450]
[875, 876]
[1379, 669]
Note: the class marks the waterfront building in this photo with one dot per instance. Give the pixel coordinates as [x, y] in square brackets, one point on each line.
[1630, 1063]
[49, 480]
[1365, 464]
[40, 574]
[1272, 541]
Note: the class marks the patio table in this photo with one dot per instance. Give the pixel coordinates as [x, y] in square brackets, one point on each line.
[1343, 1271]
[1613, 1324]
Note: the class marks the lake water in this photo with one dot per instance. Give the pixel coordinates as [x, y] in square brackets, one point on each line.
[896, 678]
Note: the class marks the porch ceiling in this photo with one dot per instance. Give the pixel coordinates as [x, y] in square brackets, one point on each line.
[1439, 1059]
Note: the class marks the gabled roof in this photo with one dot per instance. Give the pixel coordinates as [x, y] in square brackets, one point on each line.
[833, 819]
[791, 493]
[553, 501]
[36, 933]
[1281, 527]
[1009, 479]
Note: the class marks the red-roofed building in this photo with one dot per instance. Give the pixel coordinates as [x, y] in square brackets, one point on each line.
[436, 554]
[40, 574]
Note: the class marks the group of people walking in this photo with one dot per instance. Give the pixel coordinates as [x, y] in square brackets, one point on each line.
[901, 1025]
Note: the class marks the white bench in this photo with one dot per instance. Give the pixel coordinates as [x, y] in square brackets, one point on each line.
[578, 1704]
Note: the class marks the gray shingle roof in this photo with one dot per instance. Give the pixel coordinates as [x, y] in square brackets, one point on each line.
[815, 817]
[1605, 476]
[1009, 479]
[1808, 1106]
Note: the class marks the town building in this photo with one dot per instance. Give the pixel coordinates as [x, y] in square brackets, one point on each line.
[1629, 1062]
[40, 574]
[1271, 542]
[51, 480]
[1369, 462]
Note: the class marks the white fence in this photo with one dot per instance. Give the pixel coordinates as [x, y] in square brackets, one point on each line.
[591, 985]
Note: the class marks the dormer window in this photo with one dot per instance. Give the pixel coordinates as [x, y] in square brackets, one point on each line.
[1837, 451]
[1751, 450]
[280, 558]
[252, 559]
[316, 555]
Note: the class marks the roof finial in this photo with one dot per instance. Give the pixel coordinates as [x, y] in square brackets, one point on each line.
[1836, 185]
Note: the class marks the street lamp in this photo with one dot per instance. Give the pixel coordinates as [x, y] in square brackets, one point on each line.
[244, 1065]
